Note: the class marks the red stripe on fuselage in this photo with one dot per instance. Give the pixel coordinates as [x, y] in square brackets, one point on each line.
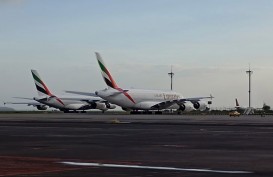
[60, 101]
[116, 86]
[126, 94]
[50, 94]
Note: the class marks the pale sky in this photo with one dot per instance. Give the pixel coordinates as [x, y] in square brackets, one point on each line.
[209, 43]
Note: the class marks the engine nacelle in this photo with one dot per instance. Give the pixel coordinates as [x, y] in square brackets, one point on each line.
[97, 105]
[146, 105]
[102, 106]
[186, 107]
[126, 109]
[41, 107]
[110, 106]
[200, 105]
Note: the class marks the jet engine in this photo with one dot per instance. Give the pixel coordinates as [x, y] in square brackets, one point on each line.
[102, 106]
[186, 106]
[200, 105]
[41, 107]
[97, 105]
[110, 106]
[126, 109]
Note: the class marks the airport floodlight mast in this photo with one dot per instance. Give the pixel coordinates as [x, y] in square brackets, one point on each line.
[171, 74]
[249, 73]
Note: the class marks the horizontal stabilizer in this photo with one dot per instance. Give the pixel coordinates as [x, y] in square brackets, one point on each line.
[117, 92]
[81, 93]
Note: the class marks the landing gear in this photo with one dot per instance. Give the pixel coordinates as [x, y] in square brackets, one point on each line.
[135, 112]
[146, 112]
[66, 111]
[158, 112]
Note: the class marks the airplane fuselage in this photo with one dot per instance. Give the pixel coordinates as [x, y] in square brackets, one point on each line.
[138, 99]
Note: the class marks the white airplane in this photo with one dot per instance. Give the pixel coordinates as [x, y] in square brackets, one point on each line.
[65, 104]
[140, 99]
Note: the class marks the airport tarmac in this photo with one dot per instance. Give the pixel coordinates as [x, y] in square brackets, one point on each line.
[135, 145]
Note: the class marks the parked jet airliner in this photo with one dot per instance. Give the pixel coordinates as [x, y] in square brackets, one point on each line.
[64, 104]
[140, 99]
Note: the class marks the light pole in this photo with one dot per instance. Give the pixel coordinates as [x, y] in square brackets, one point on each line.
[171, 74]
[249, 73]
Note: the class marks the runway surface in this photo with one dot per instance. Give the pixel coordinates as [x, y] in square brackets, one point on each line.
[135, 145]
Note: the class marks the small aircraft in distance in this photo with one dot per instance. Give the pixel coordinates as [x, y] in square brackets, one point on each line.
[66, 104]
[250, 110]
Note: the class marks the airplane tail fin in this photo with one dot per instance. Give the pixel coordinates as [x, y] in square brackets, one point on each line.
[237, 103]
[40, 85]
[105, 73]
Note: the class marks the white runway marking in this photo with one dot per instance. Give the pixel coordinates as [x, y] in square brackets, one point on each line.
[154, 168]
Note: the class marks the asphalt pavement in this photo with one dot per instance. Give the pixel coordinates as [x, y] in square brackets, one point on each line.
[135, 145]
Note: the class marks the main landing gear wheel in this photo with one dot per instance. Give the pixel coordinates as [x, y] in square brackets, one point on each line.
[158, 112]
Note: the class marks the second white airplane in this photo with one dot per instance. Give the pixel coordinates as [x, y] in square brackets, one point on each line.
[141, 99]
[65, 104]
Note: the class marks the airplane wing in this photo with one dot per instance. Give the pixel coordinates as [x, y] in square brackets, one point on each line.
[98, 102]
[82, 93]
[163, 105]
[38, 105]
[24, 98]
[195, 99]
[88, 100]
[27, 103]
[167, 104]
